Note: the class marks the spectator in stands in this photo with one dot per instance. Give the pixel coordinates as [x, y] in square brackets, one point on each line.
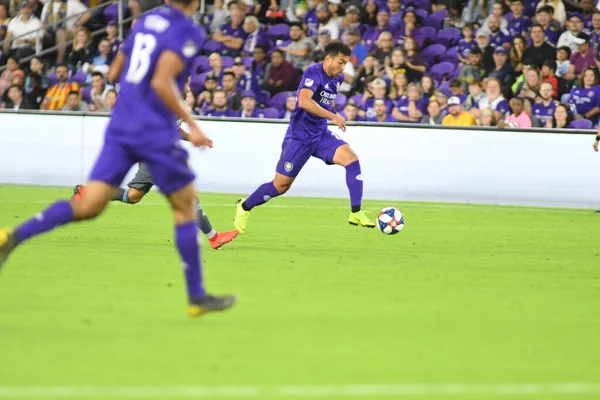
[326, 22]
[282, 75]
[562, 118]
[487, 119]
[351, 20]
[231, 35]
[323, 40]
[110, 101]
[406, 27]
[220, 14]
[396, 15]
[476, 93]
[74, 103]
[563, 63]
[258, 71]
[454, 18]
[568, 37]
[249, 109]
[56, 96]
[333, 6]
[369, 14]
[487, 51]
[375, 90]
[206, 97]
[498, 12]
[372, 34]
[587, 13]
[385, 44]
[442, 96]
[457, 90]
[497, 36]
[398, 86]
[427, 86]
[474, 70]
[414, 60]
[112, 34]
[595, 31]
[477, 10]
[412, 107]
[34, 91]
[399, 62]
[519, 23]
[98, 92]
[543, 109]
[255, 35]
[215, 61]
[560, 14]
[218, 107]
[549, 75]
[18, 79]
[6, 77]
[24, 30]
[544, 19]
[345, 87]
[584, 56]
[380, 112]
[367, 72]
[61, 16]
[36, 66]
[288, 108]
[234, 94]
[15, 99]
[502, 69]
[242, 75]
[100, 62]
[466, 44]
[350, 111]
[585, 98]
[300, 51]
[311, 21]
[457, 116]
[493, 100]
[83, 49]
[539, 51]
[519, 118]
[516, 54]
[359, 50]
[434, 116]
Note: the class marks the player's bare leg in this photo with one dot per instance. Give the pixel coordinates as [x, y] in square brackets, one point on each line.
[183, 204]
[347, 158]
[97, 196]
[265, 192]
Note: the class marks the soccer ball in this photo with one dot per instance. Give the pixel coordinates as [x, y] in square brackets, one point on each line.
[390, 220]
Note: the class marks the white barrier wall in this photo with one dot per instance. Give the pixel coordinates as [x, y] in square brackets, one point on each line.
[399, 163]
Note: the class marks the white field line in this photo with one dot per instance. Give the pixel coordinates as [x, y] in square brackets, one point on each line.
[483, 207]
[566, 389]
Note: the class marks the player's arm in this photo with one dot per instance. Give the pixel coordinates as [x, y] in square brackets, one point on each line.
[116, 67]
[306, 103]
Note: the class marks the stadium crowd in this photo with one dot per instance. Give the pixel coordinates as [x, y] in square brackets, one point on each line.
[501, 63]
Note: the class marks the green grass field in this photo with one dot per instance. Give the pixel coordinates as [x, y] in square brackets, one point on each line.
[486, 299]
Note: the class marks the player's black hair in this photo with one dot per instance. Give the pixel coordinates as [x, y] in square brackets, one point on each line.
[454, 83]
[278, 51]
[336, 47]
[75, 92]
[34, 76]
[229, 72]
[297, 24]
[517, 1]
[97, 73]
[550, 64]
[520, 99]
[59, 65]
[15, 86]
[260, 46]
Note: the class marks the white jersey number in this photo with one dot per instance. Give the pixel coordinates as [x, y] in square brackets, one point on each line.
[143, 46]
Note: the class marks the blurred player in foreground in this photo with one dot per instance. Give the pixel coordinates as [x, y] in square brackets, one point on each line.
[307, 135]
[143, 181]
[152, 66]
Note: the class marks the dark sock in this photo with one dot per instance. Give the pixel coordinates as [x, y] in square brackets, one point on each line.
[56, 215]
[186, 237]
[355, 184]
[264, 193]
[119, 195]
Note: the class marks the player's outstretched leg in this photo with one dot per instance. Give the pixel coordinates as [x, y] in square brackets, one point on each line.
[345, 157]
[186, 237]
[97, 196]
[261, 195]
[216, 239]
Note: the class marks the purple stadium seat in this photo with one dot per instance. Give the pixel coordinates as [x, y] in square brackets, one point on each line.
[199, 65]
[227, 61]
[266, 96]
[279, 31]
[426, 31]
[451, 56]
[86, 94]
[248, 61]
[420, 38]
[79, 77]
[445, 85]
[422, 13]
[436, 19]
[508, 16]
[278, 101]
[52, 78]
[211, 46]
[448, 37]
[419, 4]
[456, 72]
[357, 98]
[271, 112]
[432, 54]
[442, 70]
[581, 124]
[340, 101]
[111, 12]
[197, 82]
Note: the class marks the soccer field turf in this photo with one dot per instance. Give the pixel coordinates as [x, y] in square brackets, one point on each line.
[468, 302]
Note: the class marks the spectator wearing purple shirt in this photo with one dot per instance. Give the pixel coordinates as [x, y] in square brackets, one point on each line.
[369, 15]
[584, 56]
[497, 37]
[231, 35]
[258, 72]
[457, 90]
[380, 111]
[311, 22]
[587, 12]
[412, 107]
[595, 32]
[585, 99]
[543, 109]
[519, 23]
[562, 117]
[372, 34]
[249, 109]
[466, 44]
[395, 14]
[288, 107]
[414, 59]
[375, 90]
[352, 21]
[215, 61]
[551, 33]
[112, 34]
[257, 35]
[218, 107]
[408, 24]
[350, 112]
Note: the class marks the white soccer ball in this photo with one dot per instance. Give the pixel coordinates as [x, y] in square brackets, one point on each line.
[390, 220]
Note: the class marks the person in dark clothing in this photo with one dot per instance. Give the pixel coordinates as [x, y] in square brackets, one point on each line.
[539, 51]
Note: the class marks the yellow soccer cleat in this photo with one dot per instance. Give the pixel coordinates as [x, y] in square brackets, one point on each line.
[202, 305]
[360, 219]
[241, 217]
[8, 242]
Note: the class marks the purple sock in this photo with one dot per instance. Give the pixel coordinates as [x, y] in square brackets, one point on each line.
[186, 237]
[59, 213]
[264, 193]
[355, 185]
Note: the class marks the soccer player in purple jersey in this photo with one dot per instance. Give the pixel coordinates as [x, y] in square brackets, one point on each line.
[307, 135]
[152, 66]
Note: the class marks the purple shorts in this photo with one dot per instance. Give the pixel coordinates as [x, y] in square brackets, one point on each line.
[296, 152]
[167, 162]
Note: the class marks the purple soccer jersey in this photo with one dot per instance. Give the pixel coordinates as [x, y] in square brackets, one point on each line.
[543, 112]
[594, 40]
[367, 106]
[464, 48]
[227, 30]
[499, 38]
[519, 26]
[312, 23]
[142, 128]
[402, 105]
[211, 112]
[584, 99]
[551, 35]
[307, 134]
